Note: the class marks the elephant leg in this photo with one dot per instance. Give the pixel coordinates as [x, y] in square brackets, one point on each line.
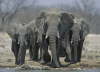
[21, 55]
[41, 54]
[16, 56]
[31, 53]
[34, 52]
[80, 46]
[60, 49]
[66, 58]
[15, 50]
[72, 52]
[46, 55]
[75, 51]
[35, 48]
[68, 49]
[55, 60]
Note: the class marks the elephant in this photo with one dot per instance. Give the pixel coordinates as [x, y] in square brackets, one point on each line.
[83, 33]
[53, 24]
[64, 31]
[78, 32]
[32, 36]
[52, 32]
[74, 42]
[41, 29]
[25, 37]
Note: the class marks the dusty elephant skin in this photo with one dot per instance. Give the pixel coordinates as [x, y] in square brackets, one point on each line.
[50, 31]
[52, 21]
[23, 39]
[15, 47]
[64, 31]
[53, 33]
[78, 33]
[41, 30]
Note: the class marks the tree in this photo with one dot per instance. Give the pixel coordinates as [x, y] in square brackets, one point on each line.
[8, 10]
[87, 10]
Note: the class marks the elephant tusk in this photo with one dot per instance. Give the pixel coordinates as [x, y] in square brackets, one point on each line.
[58, 35]
[46, 36]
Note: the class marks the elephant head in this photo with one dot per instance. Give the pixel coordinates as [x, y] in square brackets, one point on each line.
[80, 27]
[66, 23]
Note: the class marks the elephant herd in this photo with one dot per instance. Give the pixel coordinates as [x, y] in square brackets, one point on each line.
[60, 33]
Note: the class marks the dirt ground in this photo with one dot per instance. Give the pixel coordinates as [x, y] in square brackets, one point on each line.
[7, 58]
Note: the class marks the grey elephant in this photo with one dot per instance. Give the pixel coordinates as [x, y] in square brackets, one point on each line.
[31, 37]
[83, 33]
[53, 25]
[65, 26]
[43, 46]
[24, 37]
[75, 39]
[78, 32]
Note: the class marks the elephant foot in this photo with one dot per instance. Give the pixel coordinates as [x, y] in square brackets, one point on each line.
[47, 58]
[21, 63]
[34, 59]
[54, 65]
[66, 60]
[16, 63]
[78, 60]
[42, 62]
[73, 62]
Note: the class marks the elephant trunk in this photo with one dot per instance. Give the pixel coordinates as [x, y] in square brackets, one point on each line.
[53, 47]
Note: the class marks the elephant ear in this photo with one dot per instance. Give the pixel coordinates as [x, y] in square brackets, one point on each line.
[40, 18]
[72, 16]
[68, 18]
[66, 22]
[84, 28]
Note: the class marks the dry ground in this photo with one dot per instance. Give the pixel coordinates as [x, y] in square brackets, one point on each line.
[7, 58]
